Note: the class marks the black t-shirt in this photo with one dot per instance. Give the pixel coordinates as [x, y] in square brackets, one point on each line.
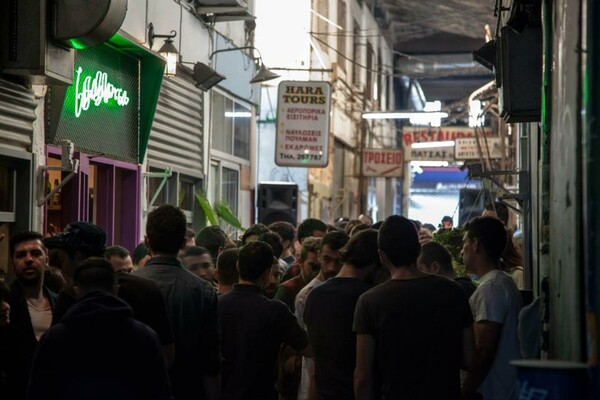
[467, 285]
[417, 325]
[252, 330]
[328, 315]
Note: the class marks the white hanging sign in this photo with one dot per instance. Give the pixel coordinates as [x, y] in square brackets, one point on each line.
[303, 111]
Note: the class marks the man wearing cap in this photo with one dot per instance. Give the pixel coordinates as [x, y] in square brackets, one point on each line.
[31, 310]
[82, 240]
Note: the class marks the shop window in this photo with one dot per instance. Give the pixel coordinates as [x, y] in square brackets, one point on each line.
[179, 190]
[224, 185]
[7, 193]
[231, 126]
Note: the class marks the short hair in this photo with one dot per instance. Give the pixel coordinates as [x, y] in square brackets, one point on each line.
[274, 240]
[139, 252]
[357, 228]
[361, 250]
[490, 233]
[335, 240]
[310, 245]
[501, 211]
[212, 238]
[254, 230]
[26, 236]
[308, 226]
[116, 251]
[447, 218]
[399, 241]
[351, 224]
[254, 259]
[95, 273]
[284, 229]
[166, 229]
[226, 267]
[433, 251]
[192, 251]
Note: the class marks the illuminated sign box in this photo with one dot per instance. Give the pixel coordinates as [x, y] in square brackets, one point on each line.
[100, 114]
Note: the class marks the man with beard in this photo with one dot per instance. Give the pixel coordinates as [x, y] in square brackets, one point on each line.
[329, 258]
[329, 313]
[31, 313]
[274, 240]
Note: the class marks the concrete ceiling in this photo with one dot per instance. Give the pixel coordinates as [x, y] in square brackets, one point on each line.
[433, 41]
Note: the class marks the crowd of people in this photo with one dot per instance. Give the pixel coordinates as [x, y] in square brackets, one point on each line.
[354, 310]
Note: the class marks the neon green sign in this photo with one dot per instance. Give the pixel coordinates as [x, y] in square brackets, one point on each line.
[96, 90]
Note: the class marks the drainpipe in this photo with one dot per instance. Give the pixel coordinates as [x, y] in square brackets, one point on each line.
[591, 182]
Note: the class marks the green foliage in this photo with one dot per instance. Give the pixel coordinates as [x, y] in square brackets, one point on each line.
[221, 212]
[452, 239]
[207, 209]
[225, 214]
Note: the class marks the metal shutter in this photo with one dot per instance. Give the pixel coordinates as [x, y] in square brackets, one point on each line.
[17, 113]
[176, 137]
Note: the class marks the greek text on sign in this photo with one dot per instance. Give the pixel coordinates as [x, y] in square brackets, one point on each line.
[467, 148]
[417, 134]
[303, 110]
[382, 162]
[430, 154]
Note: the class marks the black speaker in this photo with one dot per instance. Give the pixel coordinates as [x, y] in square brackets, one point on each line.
[520, 80]
[471, 204]
[277, 201]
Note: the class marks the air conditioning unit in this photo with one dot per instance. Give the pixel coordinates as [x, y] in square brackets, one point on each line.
[223, 10]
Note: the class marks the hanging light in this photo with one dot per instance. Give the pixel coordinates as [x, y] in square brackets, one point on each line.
[168, 50]
[263, 74]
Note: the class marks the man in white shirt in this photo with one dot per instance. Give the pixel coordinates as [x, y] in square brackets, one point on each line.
[495, 305]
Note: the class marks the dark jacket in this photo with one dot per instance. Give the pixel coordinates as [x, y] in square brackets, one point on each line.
[98, 351]
[18, 343]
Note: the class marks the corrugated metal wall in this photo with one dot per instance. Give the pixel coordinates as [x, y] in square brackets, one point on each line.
[17, 113]
[176, 136]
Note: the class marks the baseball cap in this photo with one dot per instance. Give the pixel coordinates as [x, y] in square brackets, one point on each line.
[85, 237]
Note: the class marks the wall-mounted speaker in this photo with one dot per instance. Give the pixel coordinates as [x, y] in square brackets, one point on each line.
[277, 201]
[520, 83]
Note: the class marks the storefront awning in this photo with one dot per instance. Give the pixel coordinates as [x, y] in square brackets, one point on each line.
[151, 76]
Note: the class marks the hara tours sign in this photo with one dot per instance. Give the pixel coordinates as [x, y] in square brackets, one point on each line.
[382, 163]
[303, 110]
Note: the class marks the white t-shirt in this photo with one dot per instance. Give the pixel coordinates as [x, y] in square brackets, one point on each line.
[307, 363]
[41, 318]
[497, 299]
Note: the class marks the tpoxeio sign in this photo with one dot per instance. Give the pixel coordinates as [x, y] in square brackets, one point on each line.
[382, 163]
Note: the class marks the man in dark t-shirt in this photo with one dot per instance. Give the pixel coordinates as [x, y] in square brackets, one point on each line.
[329, 312]
[253, 328]
[410, 329]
